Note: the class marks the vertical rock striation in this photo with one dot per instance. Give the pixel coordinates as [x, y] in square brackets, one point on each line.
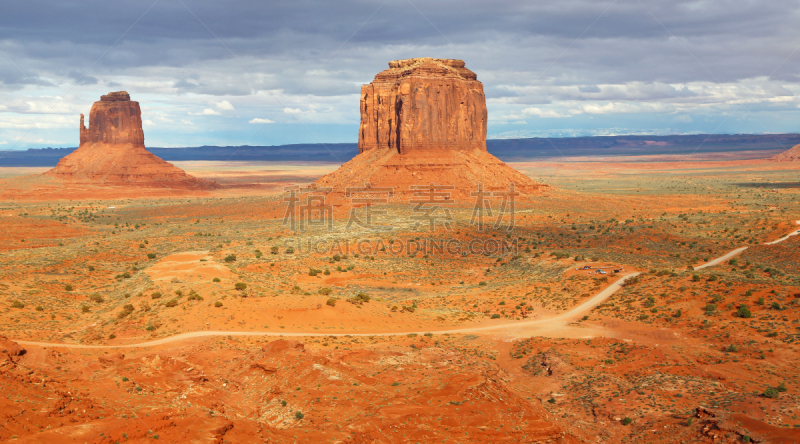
[423, 104]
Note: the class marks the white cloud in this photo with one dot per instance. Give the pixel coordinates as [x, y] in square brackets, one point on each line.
[224, 106]
[4, 143]
[547, 113]
[292, 111]
[257, 120]
[148, 122]
[187, 122]
[207, 112]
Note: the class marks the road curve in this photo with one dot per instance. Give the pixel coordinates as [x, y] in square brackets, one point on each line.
[793, 233]
[735, 252]
[720, 259]
[562, 318]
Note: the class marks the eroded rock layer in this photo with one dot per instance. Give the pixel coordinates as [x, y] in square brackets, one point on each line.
[112, 151]
[423, 104]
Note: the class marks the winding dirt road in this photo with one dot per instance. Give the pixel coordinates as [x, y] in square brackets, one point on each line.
[558, 320]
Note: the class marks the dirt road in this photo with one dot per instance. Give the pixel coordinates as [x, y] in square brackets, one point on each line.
[513, 328]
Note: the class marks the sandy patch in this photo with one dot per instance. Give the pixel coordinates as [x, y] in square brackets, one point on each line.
[189, 266]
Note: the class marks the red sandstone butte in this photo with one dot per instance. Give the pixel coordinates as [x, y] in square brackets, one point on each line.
[790, 155]
[423, 121]
[423, 104]
[112, 151]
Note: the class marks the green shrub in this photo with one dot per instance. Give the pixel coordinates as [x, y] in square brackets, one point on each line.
[17, 304]
[731, 349]
[216, 280]
[324, 291]
[782, 387]
[241, 286]
[90, 268]
[112, 336]
[84, 308]
[258, 254]
[744, 312]
[760, 301]
[156, 295]
[299, 415]
[331, 302]
[771, 393]
[68, 287]
[171, 303]
[195, 297]
[711, 308]
[495, 316]
[230, 258]
[126, 310]
[482, 283]
[97, 298]
[39, 308]
[626, 421]
[218, 304]
[713, 278]
[151, 255]
[326, 272]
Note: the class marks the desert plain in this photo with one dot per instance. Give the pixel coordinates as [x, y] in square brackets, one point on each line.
[163, 315]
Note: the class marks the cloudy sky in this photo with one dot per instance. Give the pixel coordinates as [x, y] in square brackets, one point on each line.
[267, 73]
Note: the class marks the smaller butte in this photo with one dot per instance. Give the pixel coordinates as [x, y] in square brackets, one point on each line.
[423, 121]
[112, 151]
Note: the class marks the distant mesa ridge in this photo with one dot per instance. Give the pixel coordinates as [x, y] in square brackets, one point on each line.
[112, 151]
[508, 150]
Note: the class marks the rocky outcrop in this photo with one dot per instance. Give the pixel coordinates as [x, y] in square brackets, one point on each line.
[9, 350]
[423, 104]
[790, 155]
[424, 121]
[112, 151]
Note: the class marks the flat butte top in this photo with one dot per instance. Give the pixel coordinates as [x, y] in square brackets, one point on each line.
[425, 67]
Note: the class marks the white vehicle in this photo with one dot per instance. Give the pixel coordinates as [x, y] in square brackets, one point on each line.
[601, 272]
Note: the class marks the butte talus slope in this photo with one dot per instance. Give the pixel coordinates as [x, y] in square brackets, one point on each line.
[790, 155]
[423, 120]
[112, 151]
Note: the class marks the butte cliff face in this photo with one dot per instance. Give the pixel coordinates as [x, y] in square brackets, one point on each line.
[114, 119]
[112, 151]
[423, 104]
[424, 120]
